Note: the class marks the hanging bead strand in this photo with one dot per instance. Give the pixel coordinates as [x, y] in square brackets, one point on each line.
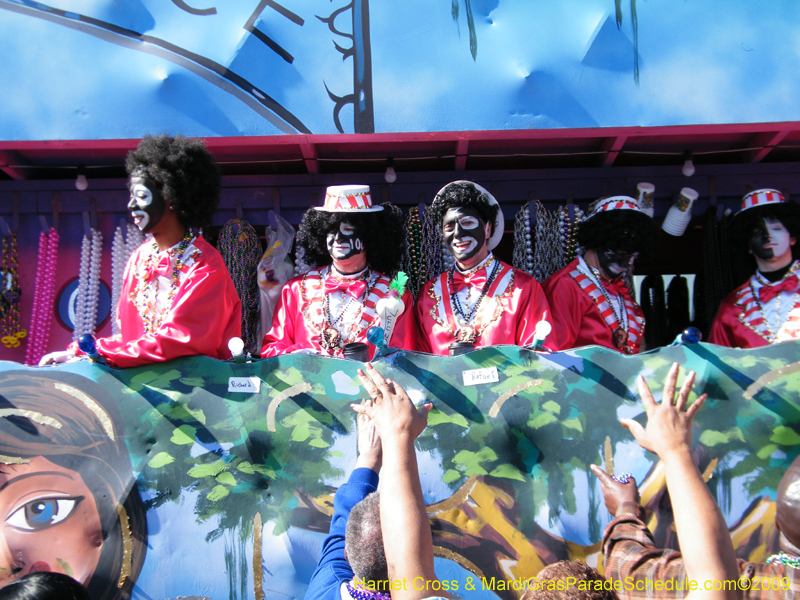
[50, 292]
[44, 294]
[83, 287]
[118, 260]
[12, 331]
[413, 264]
[30, 351]
[240, 247]
[93, 294]
[432, 246]
[523, 243]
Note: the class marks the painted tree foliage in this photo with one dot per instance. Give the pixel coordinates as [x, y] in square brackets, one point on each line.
[510, 459]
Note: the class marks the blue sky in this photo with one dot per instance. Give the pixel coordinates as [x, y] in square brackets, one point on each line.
[537, 65]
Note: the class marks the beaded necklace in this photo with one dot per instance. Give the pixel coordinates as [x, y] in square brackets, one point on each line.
[523, 243]
[772, 333]
[147, 308]
[466, 317]
[547, 255]
[358, 594]
[620, 334]
[413, 262]
[467, 333]
[331, 335]
[569, 225]
[432, 250]
[784, 559]
[240, 248]
[11, 330]
[88, 285]
[118, 258]
[43, 296]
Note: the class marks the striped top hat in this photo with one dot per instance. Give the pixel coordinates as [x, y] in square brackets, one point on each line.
[613, 203]
[348, 198]
[760, 198]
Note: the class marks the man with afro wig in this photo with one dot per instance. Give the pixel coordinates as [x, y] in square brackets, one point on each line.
[480, 301]
[766, 308]
[355, 248]
[177, 297]
[591, 304]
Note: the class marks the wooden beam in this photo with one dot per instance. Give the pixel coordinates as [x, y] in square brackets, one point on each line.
[462, 150]
[764, 143]
[310, 157]
[9, 163]
[612, 147]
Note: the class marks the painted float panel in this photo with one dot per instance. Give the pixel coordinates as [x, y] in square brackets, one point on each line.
[227, 495]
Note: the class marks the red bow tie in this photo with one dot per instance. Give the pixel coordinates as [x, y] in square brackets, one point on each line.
[768, 292]
[476, 280]
[164, 266]
[614, 286]
[351, 287]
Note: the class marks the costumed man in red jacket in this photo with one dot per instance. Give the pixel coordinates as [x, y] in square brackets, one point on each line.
[591, 304]
[480, 300]
[177, 297]
[766, 308]
[353, 244]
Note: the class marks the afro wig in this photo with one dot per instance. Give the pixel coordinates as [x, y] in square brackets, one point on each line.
[619, 230]
[464, 194]
[381, 232]
[188, 177]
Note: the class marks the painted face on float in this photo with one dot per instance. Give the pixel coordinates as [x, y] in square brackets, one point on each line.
[147, 205]
[614, 263]
[343, 243]
[50, 522]
[770, 239]
[464, 232]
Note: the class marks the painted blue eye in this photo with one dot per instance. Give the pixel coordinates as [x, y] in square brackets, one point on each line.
[43, 513]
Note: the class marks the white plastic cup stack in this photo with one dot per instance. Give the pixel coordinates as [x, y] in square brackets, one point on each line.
[646, 198]
[680, 213]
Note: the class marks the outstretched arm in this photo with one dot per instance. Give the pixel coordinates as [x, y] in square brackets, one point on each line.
[629, 550]
[369, 444]
[204, 315]
[620, 498]
[406, 530]
[333, 567]
[703, 534]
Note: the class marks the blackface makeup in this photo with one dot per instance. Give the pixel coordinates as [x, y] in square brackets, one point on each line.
[147, 205]
[770, 239]
[464, 233]
[343, 243]
[614, 263]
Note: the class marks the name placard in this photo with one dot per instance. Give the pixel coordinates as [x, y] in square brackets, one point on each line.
[478, 376]
[244, 385]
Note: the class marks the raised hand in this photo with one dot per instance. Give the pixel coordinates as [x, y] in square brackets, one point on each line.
[369, 443]
[615, 493]
[391, 408]
[669, 426]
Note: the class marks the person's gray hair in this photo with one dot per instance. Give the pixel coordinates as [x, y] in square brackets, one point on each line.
[363, 543]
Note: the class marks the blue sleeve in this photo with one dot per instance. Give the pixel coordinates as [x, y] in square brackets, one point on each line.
[333, 569]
